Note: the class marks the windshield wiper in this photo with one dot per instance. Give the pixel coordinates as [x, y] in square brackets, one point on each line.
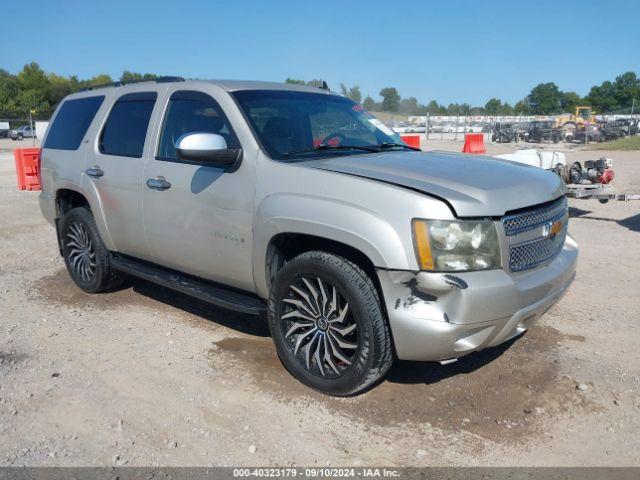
[323, 147]
[386, 145]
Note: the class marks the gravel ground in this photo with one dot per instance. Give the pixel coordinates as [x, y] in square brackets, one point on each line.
[145, 376]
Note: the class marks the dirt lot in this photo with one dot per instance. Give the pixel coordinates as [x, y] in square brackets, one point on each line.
[146, 376]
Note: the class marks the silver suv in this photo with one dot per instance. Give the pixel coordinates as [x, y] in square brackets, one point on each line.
[24, 131]
[294, 201]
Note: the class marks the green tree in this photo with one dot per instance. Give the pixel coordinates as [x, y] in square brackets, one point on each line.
[128, 76]
[294, 81]
[521, 108]
[626, 88]
[59, 87]
[390, 99]
[409, 106]
[9, 89]
[354, 94]
[545, 99]
[458, 109]
[32, 77]
[493, 106]
[569, 101]
[316, 82]
[32, 99]
[602, 98]
[102, 79]
[434, 108]
[369, 104]
[507, 109]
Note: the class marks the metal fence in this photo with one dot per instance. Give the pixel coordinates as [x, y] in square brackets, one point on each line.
[454, 127]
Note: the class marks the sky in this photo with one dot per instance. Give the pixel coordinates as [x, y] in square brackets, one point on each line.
[450, 51]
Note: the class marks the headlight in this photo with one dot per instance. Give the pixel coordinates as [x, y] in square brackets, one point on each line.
[456, 246]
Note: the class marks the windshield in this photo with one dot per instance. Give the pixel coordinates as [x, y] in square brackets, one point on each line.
[292, 125]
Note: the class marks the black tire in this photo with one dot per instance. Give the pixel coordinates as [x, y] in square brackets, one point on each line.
[372, 357]
[78, 232]
[20, 137]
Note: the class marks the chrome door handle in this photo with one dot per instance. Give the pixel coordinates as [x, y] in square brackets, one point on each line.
[95, 171]
[158, 183]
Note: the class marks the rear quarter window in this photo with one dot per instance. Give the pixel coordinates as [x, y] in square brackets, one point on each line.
[125, 131]
[72, 122]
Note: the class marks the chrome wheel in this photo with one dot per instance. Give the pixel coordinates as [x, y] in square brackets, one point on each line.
[80, 252]
[319, 327]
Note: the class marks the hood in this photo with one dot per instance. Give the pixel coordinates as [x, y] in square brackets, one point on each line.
[472, 185]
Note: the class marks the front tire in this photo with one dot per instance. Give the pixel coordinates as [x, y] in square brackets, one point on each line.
[327, 324]
[85, 255]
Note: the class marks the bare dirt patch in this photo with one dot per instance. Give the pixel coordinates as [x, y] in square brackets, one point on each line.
[497, 393]
[59, 289]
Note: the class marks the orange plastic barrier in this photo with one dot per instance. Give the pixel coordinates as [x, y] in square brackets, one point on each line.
[411, 140]
[474, 143]
[28, 168]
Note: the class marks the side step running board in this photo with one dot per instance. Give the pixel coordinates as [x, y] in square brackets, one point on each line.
[189, 285]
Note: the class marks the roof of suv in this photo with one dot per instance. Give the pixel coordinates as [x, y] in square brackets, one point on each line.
[228, 85]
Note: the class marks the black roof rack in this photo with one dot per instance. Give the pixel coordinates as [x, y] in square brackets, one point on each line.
[120, 83]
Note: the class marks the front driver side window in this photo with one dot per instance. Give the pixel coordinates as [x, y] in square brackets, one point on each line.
[192, 112]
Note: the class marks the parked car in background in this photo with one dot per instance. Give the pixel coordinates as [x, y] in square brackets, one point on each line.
[453, 128]
[541, 131]
[4, 129]
[611, 131]
[400, 127]
[25, 131]
[585, 134]
[504, 133]
[474, 128]
[628, 125]
[417, 128]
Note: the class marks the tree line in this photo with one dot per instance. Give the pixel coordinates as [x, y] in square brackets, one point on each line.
[33, 89]
[618, 96]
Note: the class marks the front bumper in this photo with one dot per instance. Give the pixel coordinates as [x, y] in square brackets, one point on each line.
[436, 316]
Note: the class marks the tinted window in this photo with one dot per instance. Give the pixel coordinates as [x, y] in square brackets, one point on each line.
[191, 112]
[126, 128]
[71, 123]
[291, 125]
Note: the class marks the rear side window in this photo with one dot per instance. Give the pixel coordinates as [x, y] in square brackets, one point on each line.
[72, 122]
[126, 128]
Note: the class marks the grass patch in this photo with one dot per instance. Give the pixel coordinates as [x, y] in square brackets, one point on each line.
[629, 143]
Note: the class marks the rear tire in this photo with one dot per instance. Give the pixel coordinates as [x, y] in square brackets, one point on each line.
[87, 259]
[328, 325]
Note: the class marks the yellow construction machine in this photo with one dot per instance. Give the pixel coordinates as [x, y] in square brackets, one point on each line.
[570, 122]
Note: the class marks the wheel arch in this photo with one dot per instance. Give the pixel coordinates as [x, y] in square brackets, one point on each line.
[69, 196]
[286, 245]
[304, 222]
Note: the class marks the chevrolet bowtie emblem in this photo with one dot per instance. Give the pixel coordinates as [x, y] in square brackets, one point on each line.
[551, 229]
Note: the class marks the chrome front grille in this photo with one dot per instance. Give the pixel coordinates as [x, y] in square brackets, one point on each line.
[521, 222]
[536, 235]
[527, 255]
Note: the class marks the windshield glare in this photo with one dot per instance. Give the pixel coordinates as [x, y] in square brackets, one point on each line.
[290, 125]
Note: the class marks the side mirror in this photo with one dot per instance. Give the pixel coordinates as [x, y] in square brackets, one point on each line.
[208, 149]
